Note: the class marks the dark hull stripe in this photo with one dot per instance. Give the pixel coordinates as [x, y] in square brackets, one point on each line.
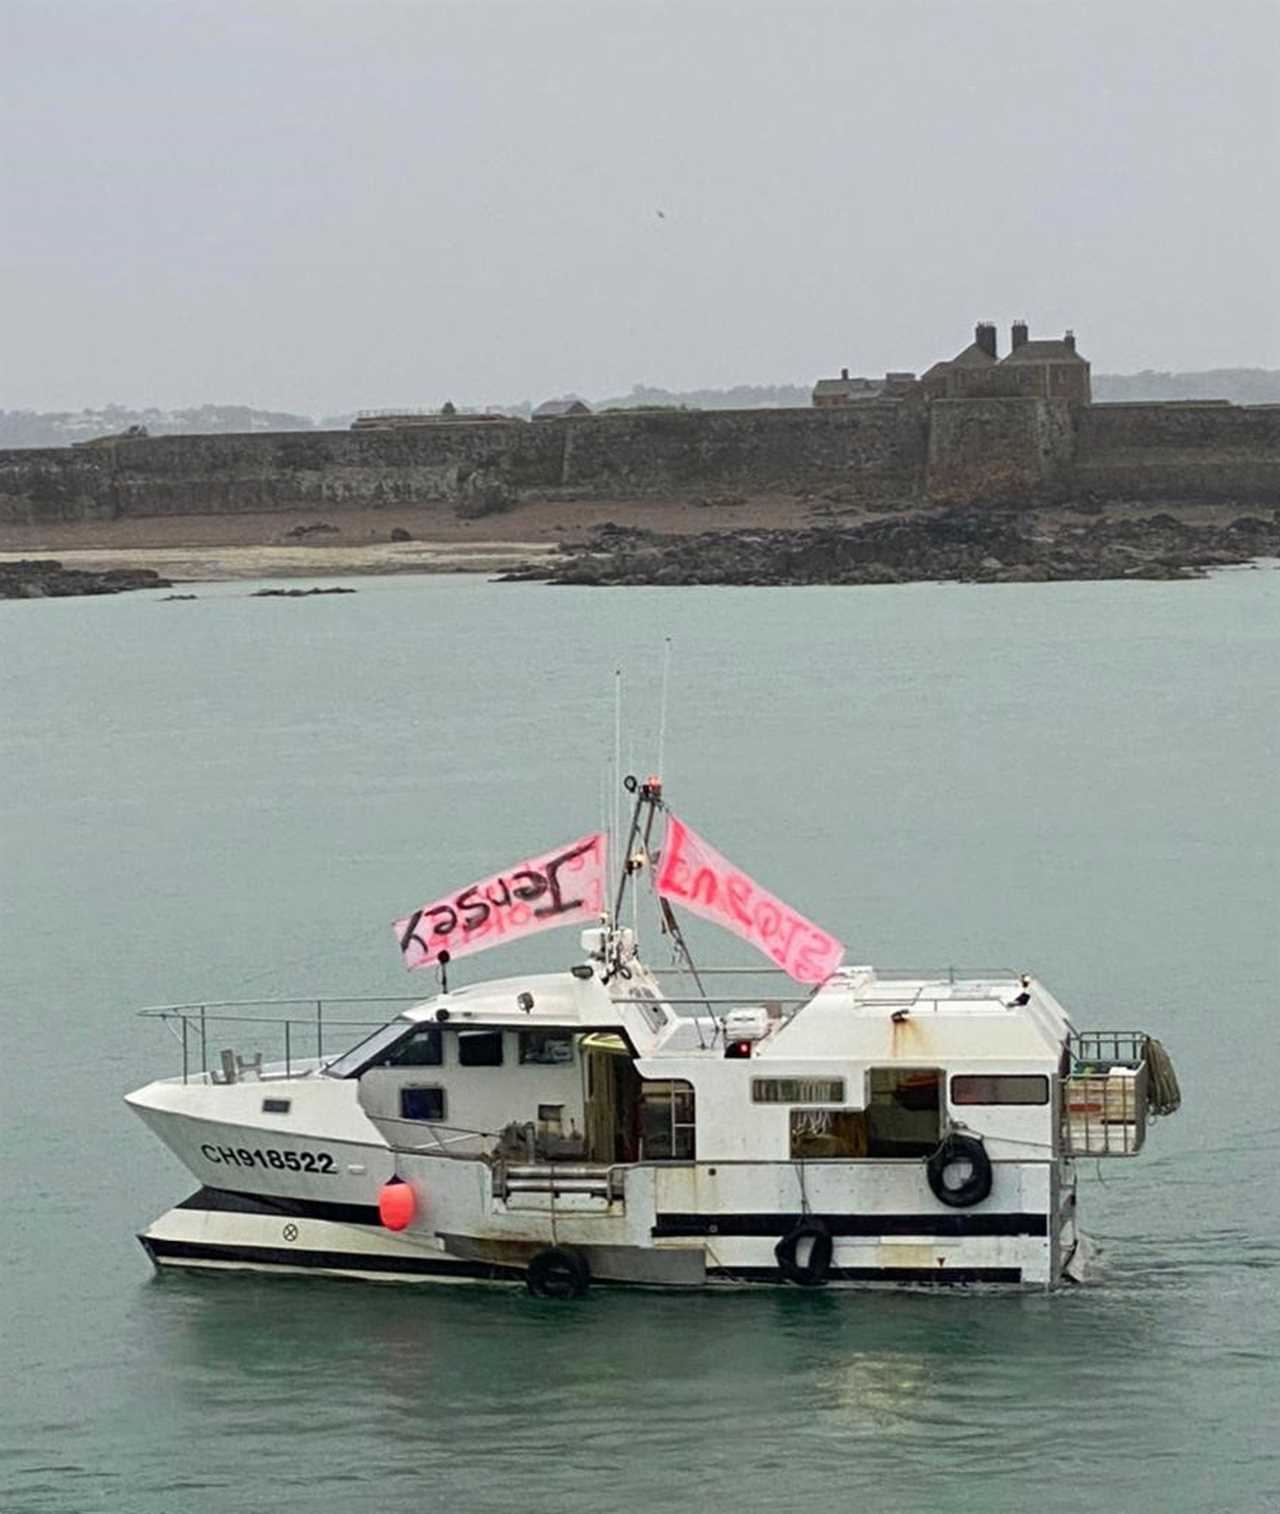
[198, 1253]
[343, 1261]
[230, 1201]
[774, 1225]
[931, 1276]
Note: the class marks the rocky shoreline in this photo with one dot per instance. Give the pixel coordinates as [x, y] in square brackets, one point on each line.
[46, 578]
[958, 545]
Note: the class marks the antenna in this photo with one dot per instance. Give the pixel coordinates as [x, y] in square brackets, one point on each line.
[662, 715]
[617, 763]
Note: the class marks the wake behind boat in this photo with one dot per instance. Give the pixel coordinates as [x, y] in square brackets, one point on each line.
[621, 1125]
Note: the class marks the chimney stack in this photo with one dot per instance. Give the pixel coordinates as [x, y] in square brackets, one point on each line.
[844, 374]
[984, 333]
[1069, 341]
[1018, 335]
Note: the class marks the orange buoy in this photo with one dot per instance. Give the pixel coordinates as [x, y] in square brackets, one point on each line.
[396, 1204]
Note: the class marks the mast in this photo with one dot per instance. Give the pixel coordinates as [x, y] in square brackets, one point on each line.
[649, 802]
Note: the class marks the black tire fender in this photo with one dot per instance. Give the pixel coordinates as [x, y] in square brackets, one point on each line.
[559, 1272]
[960, 1148]
[815, 1272]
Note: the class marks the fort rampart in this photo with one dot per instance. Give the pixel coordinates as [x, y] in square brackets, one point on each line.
[889, 452]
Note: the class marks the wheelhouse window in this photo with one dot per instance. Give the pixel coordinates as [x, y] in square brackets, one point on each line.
[422, 1103]
[546, 1048]
[667, 1123]
[394, 1045]
[422, 1047]
[1000, 1088]
[480, 1048]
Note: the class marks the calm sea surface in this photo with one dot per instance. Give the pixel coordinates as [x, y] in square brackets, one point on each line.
[231, 798]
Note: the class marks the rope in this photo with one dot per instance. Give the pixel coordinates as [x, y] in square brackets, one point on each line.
[1164, 1096]
[804, 1192]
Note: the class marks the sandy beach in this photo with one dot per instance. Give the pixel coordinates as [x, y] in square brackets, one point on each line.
[209, 548]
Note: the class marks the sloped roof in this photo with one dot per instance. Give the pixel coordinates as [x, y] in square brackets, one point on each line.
[850, 387]
[1043, 352]
[569, 406]
[973, 356]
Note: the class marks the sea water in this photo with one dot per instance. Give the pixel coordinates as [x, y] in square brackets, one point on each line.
[233, 797]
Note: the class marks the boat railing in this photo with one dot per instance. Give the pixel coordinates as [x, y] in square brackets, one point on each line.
[280, 1037]
[953, 974]
[950, 974]
[1105, 1094]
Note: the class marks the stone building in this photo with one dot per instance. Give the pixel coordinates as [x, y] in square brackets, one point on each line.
[1045, 369]
[845, 390]
[853, 391]
[1040, 369]
[960, 375]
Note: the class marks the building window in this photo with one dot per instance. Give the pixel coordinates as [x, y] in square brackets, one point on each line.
[480, 1048]
[1000, 1088]
[546, 1048]
[797, 1090]
[667, 1132]
[422, 1104]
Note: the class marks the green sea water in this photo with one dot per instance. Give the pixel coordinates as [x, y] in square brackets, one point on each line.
[232, 798]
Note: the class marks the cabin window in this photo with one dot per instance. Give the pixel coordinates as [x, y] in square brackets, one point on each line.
[667, 1122]
[817, 1133]
[904, 1111]
[546, 1048]
[480, 1048]
[422, 1104]
[1000, 1088]
[797, 1090]
[277, 1106]
[391, 1046]
[422, 1047]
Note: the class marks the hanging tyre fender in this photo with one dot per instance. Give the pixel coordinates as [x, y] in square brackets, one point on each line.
[960, 1148]
[559, 1272]
[814, 1272]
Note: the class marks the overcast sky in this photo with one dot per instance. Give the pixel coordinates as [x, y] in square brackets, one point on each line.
[323, 206]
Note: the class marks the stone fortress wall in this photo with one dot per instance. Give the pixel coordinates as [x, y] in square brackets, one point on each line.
[892, 452]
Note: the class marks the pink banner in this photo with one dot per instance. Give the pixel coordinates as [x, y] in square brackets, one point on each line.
[564, 887]
[694, 874]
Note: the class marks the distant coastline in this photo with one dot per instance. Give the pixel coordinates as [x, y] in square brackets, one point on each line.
[60, 428]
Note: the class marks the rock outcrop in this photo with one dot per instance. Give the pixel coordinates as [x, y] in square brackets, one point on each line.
[963, 545]
[44, 578]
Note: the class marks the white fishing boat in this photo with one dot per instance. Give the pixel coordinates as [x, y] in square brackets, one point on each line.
[616, 1124]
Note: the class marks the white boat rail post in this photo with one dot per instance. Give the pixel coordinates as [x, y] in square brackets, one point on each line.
[204, 1044]
[320, 1030]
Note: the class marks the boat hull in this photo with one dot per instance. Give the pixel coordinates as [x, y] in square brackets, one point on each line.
[215, 1230]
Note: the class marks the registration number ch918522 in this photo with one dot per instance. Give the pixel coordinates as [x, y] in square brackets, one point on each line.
[258, 1156]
